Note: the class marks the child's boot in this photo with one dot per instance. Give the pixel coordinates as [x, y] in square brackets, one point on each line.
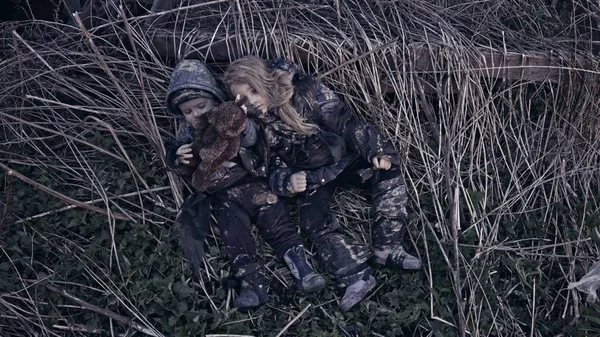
[254, 289]
[307, 280]
[397, 257]
[357, 291]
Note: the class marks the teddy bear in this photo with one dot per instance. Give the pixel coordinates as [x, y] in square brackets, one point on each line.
[216, 140]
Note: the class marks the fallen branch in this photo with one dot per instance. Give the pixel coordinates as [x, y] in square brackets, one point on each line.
[105, 312]
[74, 139]
[292, 321]
[89, 202]
[61, 196]
[530, 66]
[73, 328]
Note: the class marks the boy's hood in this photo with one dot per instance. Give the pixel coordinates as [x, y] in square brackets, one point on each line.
[192, 74]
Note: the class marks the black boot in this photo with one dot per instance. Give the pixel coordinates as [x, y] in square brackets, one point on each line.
[254, 289]
[307, 280]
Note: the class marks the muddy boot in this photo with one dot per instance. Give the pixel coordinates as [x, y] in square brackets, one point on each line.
[307, 280]
[250, 297]
[397, 257]
[254, 289]
[356, 292]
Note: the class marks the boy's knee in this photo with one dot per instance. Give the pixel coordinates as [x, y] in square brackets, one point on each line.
[265, 199]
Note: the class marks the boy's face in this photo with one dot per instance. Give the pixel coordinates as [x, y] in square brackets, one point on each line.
[254, 98]
[196, 107]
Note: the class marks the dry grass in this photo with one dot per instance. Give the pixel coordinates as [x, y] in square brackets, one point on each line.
[503, 174]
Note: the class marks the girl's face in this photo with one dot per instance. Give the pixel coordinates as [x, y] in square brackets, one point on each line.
[196, 107]
[254, 98]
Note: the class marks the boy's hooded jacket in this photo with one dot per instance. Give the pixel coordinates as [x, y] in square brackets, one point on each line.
[193, 74]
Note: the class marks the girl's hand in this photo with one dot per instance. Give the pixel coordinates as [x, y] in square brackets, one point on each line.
[380, 162]
[297, 182]
[243, 106]
[184, 154]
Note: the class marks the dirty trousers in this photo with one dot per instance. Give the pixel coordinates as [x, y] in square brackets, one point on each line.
[235, 209]
[344, 260]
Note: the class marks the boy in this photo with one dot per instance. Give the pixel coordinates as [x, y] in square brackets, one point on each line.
[238, 191]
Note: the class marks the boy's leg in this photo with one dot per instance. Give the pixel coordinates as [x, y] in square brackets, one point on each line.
[192, 226]
[234, 224]
[269, 213]
[272, 219]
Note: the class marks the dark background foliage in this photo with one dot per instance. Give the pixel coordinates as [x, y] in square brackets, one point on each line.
[501, 161]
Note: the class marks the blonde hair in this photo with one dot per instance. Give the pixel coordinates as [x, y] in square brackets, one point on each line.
[272, 84]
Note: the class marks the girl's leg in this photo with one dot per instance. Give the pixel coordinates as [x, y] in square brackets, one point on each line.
[345, 261]
[389, 201]
[342, 260]
[389, 207]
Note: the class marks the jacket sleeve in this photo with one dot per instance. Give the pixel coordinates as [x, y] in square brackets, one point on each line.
[279, 177]
[171, 147]
[359, 135]
[248, 136]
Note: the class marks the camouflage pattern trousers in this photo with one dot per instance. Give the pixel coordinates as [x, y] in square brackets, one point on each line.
[344, 260]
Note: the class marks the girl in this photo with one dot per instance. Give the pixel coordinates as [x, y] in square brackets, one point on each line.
[238, 194]
[316, 144]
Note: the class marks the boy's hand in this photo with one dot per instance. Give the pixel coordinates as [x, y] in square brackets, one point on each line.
[184, 154]
[381, 162]
[297, 182]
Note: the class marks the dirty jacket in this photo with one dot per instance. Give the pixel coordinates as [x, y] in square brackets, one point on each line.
[193, 74]
[319, 105]
[230, 172]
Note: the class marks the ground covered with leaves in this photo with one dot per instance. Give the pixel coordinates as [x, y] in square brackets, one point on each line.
[493, 106]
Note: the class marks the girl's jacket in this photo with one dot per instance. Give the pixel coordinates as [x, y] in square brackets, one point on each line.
[341, 139]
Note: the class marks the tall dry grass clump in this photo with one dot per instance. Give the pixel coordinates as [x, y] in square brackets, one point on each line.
[494, 107]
